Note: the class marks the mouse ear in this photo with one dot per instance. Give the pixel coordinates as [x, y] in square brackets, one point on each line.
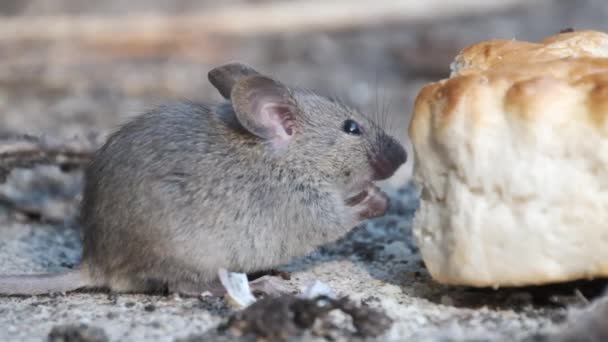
[265, 108]
[224, 77]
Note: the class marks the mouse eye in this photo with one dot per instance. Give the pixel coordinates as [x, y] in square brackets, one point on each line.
[351, 127]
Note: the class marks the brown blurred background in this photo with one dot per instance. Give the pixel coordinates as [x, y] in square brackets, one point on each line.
[69, 66]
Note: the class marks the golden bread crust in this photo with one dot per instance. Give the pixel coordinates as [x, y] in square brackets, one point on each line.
[511, 152]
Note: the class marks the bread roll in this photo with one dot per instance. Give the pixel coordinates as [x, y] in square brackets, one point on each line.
[511, 153]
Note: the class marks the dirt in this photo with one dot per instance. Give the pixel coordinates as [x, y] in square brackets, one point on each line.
[376, 265]
[287, 316]
[77, 333]
[63, 89]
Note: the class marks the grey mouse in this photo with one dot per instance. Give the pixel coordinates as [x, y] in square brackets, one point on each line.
[246, 185]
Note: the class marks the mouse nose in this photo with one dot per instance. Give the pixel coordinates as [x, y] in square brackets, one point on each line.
[388, 159]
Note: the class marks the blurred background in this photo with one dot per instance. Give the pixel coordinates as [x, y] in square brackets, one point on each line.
[71, 66]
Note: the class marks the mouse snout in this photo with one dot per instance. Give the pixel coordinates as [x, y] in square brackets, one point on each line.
[390, 157]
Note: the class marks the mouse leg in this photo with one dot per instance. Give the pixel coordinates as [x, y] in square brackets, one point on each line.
[370, 203]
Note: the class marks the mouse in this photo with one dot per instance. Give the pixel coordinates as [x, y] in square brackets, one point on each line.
[247, 184]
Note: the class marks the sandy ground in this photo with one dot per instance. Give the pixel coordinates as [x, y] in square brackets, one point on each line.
[64, 89]
[378, 264]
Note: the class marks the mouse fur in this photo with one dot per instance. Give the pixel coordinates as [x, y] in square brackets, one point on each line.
[246, 185]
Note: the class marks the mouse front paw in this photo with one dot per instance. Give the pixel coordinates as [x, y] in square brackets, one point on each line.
[370, 203]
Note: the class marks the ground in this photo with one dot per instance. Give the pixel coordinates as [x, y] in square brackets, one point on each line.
[377, 263]
[59, 87]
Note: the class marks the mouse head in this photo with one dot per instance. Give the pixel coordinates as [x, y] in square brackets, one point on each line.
[311, 131]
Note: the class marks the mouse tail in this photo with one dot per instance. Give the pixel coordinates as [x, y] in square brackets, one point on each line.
[36, 284]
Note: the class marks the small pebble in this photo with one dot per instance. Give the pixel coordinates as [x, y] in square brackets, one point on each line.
[113, 297]
[77, 332]
[447, 300]
[206, 294]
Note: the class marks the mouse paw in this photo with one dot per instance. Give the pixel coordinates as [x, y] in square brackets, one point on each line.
[371, 203]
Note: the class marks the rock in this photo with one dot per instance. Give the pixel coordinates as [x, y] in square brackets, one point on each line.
[77, 333]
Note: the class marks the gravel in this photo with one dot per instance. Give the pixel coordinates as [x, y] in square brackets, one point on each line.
[377, 265]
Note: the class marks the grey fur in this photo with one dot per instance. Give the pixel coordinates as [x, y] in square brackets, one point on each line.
[185, 189]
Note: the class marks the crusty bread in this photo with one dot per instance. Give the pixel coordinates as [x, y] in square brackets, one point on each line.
[504, 55]
[512, 155]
